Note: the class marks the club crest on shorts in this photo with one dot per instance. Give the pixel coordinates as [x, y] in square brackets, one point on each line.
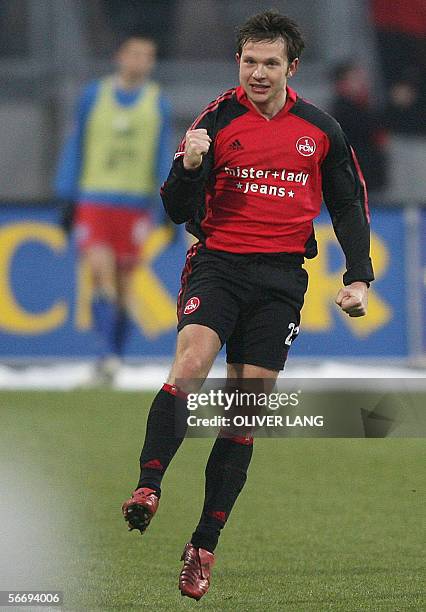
[191, 305]
[306, 146]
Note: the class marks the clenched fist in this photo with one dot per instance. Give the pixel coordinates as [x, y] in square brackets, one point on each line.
[353, 299]
[197, 143]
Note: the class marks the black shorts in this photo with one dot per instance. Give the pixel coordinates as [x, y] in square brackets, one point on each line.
[252, 302]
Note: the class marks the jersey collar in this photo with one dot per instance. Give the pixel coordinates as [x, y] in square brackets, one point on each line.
[289, 103]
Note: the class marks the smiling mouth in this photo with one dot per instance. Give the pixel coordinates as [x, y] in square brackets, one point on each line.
[258, 88]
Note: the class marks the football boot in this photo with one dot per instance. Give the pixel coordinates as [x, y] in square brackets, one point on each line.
[194, 579]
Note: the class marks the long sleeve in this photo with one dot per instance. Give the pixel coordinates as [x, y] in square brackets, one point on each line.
[346, 199]
[183, 192]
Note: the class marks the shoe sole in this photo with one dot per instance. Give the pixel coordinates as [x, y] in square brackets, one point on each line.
[138, 517]
[190, 596]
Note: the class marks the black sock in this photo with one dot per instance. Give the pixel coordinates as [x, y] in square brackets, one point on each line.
[165, 431]
[226, 474]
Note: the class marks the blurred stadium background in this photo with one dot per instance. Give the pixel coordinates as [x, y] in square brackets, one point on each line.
[50, 48]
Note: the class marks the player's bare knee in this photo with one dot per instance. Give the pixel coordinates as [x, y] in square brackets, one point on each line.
[197, 348]
[190, 364]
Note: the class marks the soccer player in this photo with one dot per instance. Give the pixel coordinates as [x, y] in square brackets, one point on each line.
[248, 179]
[110, 170]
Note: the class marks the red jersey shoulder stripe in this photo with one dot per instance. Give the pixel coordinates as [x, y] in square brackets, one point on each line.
[363, 185]
[209, 109]
[213, 106]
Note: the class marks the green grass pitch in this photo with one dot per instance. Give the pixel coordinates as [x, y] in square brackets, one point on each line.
[322, 524]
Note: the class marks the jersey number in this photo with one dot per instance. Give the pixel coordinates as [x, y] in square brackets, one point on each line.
[294, 330]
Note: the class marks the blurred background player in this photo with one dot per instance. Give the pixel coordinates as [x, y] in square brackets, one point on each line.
[362, 123]
[405, 111]
[109, 175]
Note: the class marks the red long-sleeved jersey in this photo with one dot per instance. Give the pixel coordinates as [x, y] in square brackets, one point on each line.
[262, 183]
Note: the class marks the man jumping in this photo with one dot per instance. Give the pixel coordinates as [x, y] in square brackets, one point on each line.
[248, 179]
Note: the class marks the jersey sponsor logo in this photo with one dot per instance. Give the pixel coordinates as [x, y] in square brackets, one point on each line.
[277, 175]
[265, 189]
[287, 176]
[192, 305]
[306, 146]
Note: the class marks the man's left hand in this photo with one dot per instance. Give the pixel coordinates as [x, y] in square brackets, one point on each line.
[353, 299]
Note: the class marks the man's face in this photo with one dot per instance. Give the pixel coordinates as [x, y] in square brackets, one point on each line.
[136, 58]
[264, 71]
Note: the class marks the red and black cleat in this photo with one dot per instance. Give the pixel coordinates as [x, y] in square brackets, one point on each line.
[140, 508]
[194, 579]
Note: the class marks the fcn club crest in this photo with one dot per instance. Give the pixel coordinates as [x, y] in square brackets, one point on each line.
[191, 305]
[306, 146]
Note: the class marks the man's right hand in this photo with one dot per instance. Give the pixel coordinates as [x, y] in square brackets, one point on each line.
[197, 143]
